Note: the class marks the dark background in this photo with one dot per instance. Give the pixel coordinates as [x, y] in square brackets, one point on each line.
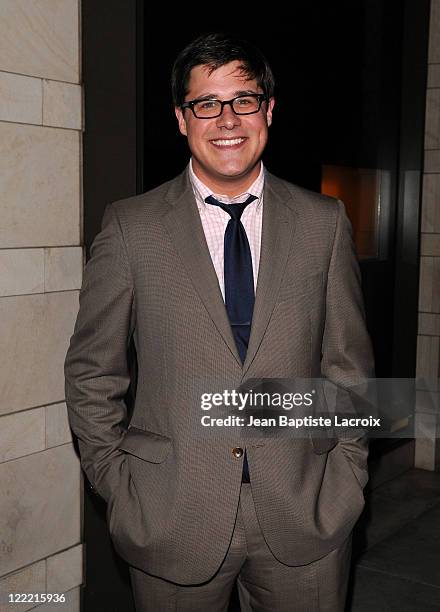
[337, 67]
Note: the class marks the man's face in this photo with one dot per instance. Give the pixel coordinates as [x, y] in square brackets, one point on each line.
[225, 150]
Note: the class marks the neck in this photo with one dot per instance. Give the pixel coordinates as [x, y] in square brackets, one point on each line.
[230, 186]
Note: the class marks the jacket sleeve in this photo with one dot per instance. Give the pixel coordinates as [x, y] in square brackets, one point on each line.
[347, 358]
[96, 366]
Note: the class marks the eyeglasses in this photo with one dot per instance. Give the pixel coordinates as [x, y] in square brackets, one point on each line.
[241, 105]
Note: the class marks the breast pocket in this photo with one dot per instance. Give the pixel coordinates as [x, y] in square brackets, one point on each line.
[301, 288]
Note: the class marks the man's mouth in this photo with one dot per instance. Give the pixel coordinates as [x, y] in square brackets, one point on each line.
[228, 142]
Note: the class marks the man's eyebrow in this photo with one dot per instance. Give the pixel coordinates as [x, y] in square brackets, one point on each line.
[206, 96]
[216, 96]
[244, 92]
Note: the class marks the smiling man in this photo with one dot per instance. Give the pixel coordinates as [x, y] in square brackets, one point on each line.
[226, 149]
[222, 275]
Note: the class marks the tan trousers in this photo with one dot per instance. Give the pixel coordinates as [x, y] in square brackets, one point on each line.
[264, 584]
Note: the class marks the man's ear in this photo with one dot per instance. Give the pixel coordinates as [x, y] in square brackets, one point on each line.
[269, 110]
[181, 121]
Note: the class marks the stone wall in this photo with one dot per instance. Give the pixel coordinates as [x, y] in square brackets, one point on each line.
[428, 354]
[41, 263]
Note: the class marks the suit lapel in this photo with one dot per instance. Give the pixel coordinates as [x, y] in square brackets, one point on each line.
[182, 221]
[277, 233]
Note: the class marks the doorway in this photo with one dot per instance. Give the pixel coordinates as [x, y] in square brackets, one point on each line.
[349, 120]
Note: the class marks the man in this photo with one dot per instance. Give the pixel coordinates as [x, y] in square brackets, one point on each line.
[214, 297]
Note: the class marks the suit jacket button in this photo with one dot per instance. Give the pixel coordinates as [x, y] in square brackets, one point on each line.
[237, 452]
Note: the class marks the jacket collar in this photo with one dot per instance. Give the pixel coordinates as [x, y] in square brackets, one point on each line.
[181, 219]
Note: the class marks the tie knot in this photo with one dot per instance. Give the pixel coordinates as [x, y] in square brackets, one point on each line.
[234, 210]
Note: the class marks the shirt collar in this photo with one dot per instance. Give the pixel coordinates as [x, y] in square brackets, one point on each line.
[201, 191]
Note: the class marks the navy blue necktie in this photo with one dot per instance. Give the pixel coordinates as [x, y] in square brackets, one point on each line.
[239, 282]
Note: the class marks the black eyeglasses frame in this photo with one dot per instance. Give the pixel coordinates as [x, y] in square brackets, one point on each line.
[191, 103]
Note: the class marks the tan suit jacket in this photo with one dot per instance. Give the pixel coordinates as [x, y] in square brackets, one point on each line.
[172, 494]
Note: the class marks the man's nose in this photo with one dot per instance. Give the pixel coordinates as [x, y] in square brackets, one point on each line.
[228, 118]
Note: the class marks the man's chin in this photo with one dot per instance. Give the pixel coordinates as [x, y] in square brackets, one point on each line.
[234, 173]
[226, 173]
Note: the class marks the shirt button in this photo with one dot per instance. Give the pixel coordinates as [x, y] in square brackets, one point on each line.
[237, 452]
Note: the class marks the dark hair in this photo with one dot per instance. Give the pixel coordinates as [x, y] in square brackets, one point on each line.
[215, 50]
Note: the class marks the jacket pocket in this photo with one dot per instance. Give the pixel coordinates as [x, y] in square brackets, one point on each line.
[300, 287]
[146, 445]
[323, 444]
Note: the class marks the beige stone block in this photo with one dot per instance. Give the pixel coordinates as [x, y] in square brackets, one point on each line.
[428, 358]
[429, 286]
[432, 161]
[57, 425]
[21, 271]
[426, 427]
[428, 402]
[434, 33]
[72, 603]
[432, 119]
[39, 506]
[40, 38]
[21, 98]
[62, 104]
[431, 203]
[22, 433]
[65, 570]
[40, 186]
[63, 268]
[433, 75]
[430, 245]
[31, 579]
[34, 336]
[429, 324]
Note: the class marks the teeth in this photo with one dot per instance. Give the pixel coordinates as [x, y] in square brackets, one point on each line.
[228, 143]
